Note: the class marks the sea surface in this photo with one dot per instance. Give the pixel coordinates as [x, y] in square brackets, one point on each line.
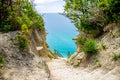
[60, 33]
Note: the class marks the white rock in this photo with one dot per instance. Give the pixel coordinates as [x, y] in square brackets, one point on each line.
[39, 48]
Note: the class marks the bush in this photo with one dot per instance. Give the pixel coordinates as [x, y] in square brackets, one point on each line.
[111, 9]
[76, 63]
[115, 56]
[102, 45]
[12, 23]
[81, 40]
[24, 29]
[12, 16]
[69, 55]
[90, 46]
[91, 25]
[55, 52]
[5, 25]
[2, 61]
[97, 61]
[103, 5]
[23, 41]
[114, 10]
[26, 20]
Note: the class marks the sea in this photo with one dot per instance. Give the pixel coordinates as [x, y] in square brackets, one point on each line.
[60, 31]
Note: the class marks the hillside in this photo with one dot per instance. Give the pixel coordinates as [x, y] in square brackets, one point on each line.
[106, 68]
[22, 65]
[24, 53]
[23, 47]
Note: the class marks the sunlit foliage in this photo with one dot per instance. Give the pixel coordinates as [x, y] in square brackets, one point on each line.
[15, 13]
[90, 16]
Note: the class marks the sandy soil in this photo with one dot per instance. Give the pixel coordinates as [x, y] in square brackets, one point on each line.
[60, 70]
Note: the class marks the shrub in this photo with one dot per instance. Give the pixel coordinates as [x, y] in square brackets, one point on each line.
[115, 56]
[102, 45]
[76, 63]
[103, 5]
[24, 29]
[114, 10]
[91, 25]
[97, 62]
[55, 52]
[5, 26]
[90, 46]
[2, 61]
[23, 41]
[26, 20]
[51, 55]
[81, 40]
[69, 55]
[12, 23]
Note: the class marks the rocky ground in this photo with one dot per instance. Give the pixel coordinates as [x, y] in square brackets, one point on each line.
[60, 70]
[20, 65]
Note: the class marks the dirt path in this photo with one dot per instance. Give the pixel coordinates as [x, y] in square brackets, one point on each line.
[60, 70]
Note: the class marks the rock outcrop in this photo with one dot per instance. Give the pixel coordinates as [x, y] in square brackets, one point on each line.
[25, 64]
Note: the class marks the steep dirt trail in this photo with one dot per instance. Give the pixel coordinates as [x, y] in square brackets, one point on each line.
[60, 70]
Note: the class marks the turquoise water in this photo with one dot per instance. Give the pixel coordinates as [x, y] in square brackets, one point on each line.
[60, 33]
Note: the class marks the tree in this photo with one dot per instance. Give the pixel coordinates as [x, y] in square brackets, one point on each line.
[91, 15]
[15, 13]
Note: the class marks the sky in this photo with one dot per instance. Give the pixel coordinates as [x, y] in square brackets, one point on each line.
[49, 6]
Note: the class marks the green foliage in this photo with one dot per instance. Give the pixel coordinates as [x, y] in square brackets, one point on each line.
[90, 47]
[114, 10]
[115, 56]
[26, 20]
[55, 52]
[2, 61]
[82, 14]
[16, 13]
[95, 58]
[10, 24]
[5, 26]
[102, 45]
[81, 40]
[19, 15]
[90, 16]
[51, 55]
[23, 41]
[69, 55]
[103, 5]
[97, 62]
[76, 63]
[24, 28]
[90, 26]
[110, 9]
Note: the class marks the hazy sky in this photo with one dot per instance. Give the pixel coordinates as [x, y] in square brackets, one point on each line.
[49, 6]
